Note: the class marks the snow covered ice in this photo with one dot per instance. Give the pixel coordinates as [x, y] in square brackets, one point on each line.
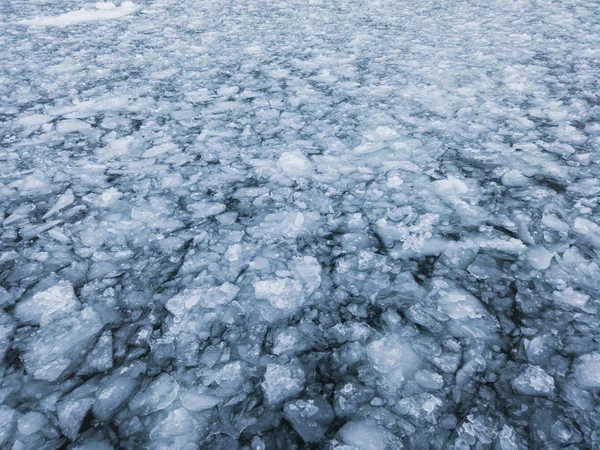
[299, 224]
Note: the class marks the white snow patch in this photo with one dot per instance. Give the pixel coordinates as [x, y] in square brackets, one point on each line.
[99, 12]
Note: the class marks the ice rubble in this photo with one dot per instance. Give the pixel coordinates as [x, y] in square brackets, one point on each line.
[280, 225]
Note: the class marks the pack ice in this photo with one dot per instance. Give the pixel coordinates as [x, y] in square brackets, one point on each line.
[259, 225]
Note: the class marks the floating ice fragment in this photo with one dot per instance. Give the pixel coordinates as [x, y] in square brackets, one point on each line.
[395, 360]
[295, 165]
[367, 435]
[539, 257]
[282, 382]
[72, 126]
[62, 202]
[282, 293]
[35, 120]
[571, 297]
[587, 370]
[309, 418]
[31, 422]
[533, 380]
[71, 414]
[43, 307]
[158, 395]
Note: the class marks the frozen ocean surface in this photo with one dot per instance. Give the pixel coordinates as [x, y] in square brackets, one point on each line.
[300, 224]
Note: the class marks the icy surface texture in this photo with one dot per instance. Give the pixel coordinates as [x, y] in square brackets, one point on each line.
[299, 224]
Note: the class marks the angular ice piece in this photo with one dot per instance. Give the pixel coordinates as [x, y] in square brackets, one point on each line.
[394, 182]
[72, 126]
[31, 422]
[310, 418]
[282, 293]
[199, 400]
[451, 186]
[8, 419]
[177, 423]
[203, 210]
[93, 444]
[571, 297]
[539, 257]
[100, 358]
[533, 380]
[71, 414]
[62, 202]
[295, 165]
[308, 271]
[53, 350]
[514, 178]
[393, 359]
[282, 382]
[587, 228]
[43, 307]
[468, 314]
[587, 370]
[382, 134]
[429, 380]
[421, 407]
[35, 120]
[7, 329]
[367, 435]
[115, 391]
[159, 150]
[158, 395]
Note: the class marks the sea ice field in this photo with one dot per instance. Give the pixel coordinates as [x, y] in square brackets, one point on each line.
[300, 225]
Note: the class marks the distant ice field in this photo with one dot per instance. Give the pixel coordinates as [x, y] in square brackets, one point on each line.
[299, 224]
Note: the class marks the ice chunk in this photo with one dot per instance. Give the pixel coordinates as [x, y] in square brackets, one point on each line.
[308, 271]
[310, 418]
[72, 126]
[114, 392]
[198, 399]
[8, 419]
[7, 329]
[367, 435]
[282, 293]
[62, 202]
[422, 407]
[587, 370]
[514, 178]
[451, 186]
[468, 314]
[71, 414]
[533, 380]
[93, 444]
[43, 307]
[382, 134]
[159, 150]
[393, 359]
[587, 228]
[31, 422]
[571, 297]
[158, 395]
[35, 120]
[178, 422]
[54, 349]
[539, 257]
[429, 380]
[100, 358]
[295, 165]
[282, 382]
[394, 182]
